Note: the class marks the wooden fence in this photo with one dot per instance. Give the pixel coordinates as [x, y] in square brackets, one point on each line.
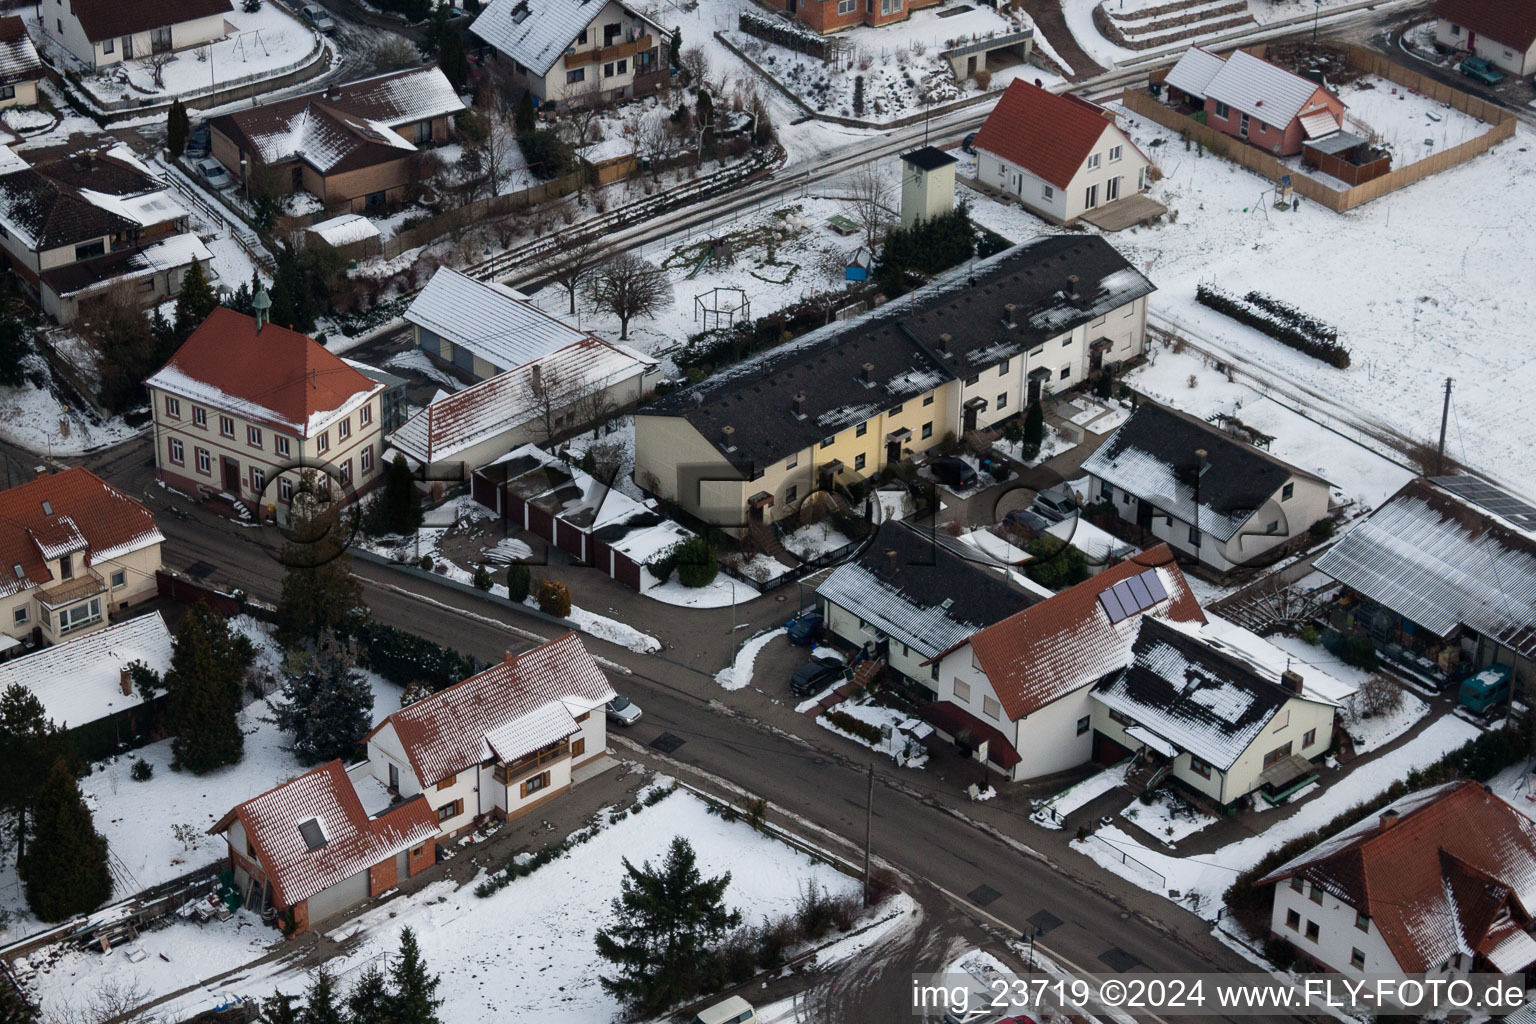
[481, 210]
[1338, 200]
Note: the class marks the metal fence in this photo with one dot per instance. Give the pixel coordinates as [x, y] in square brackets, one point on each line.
[1125, 858]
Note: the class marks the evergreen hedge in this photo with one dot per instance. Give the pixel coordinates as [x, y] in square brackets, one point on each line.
[403, 658]
[1283, 327]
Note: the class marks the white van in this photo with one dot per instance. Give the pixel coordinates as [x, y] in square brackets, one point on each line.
[734, 1010]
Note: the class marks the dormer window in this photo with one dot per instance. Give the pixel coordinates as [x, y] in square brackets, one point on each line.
[314, 836]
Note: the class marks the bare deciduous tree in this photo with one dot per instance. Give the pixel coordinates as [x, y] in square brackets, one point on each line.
[627, 286]
[873, 198]
[656, 138]
[694, 64]
[571, 263]
[548, 394]
[156, 63]
[500, 154]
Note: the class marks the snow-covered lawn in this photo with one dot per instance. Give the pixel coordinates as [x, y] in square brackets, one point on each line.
[1168, 818]
[263, 44]
[1409, 124]
[738, 675]
[1369, 733]
[902, 744]
[815, 539]
[1401, 277]
[553, 976]
[35, 419]
[1208, 875]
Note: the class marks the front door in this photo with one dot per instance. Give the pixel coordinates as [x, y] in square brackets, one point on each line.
[231, 476]
[970, 419]
[1091, 197]
[1471, 41]
[1243, 127]
[160, 39]
[1143, 514]
[893, 451]
[1034, 391]
[394, 779]
[127, 47]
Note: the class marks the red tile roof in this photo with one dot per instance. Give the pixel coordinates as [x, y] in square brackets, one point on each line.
[87, 513]
[1435, 881]
[1066, 642]
[276, 376]
[1048, 135]
[528, 701]
[353, 842]
[1511, 22]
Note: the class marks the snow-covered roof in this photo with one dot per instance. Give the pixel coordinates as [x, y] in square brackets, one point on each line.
[345, 230]
[1066, 642]
[1192, 695]
[1319, 123]
[18, 57]
[65, 512]
[171, 253]
[504, 712]
[920, 593]
[1434, 871]
[1260, 89]
[145, 210]
[536, 33]
[80, 681]
[632, 528]
[491, 320]
[1441, 562]
[1194, 71]
[10, 162]
[451, 424]
[1235, 641]
[349, 840]
[1099, 545]
[1152, 455]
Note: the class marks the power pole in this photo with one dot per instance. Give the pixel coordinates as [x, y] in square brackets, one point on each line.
[869, 820]
[1445, 415]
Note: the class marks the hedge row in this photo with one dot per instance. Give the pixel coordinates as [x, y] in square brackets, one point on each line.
[1480, 759]
[854, 726]
[404, 658]
[1276, 327]
[1306, 323]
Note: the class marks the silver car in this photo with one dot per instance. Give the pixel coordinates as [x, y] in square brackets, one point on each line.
[214, 173]
[622, 711]
[319, 18]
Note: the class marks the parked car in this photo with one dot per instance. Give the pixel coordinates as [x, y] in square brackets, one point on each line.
[804, 630]
[199, 143]
[319, 18]
[953, 472]
[734, 1010]
[1056, 504]
[1027, 521]
[969, 145]
[814, 676]
[622, 711]
[1480, 70]
[213, 173]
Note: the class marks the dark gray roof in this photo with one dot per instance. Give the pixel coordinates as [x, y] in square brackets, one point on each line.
[1152, 456]
[928, 158]
[1192, 696]
[906, 347]
[1036, 278]
[920, 591]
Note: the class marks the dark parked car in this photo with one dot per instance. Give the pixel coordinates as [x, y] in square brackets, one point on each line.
[1056, 504]
[198, 142]
[1027, 521]
[814, 676]
[969, 145]
[953, 472]
[804, 630]
[1480, 70]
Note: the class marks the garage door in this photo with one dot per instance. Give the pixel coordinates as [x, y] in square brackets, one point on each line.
[338, 897]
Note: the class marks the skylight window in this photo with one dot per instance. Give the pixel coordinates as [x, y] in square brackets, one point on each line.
[314, 836]
[47, 507]
[19, 571]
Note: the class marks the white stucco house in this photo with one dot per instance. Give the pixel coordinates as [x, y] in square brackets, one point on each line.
[574, 51]
[500, 743]
[1061, 155]
[99, 33]
[1501, 32]
[1440, 882]
[1204, 492]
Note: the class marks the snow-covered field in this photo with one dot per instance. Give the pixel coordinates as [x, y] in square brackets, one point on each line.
[1404, 278]
[1208, 875]
[465, 938]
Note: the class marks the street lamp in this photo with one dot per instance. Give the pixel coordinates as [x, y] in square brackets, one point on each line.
[1317, 9]
[733, 607]
[1199, 472]
[245, 177]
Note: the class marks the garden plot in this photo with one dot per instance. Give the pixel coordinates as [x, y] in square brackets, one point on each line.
[1167, 817]
[1457, 258]
[554, 976]
[260, 44]
[1410, 125]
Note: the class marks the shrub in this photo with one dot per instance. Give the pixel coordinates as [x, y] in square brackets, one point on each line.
[882, 885]
[697, 562]
[426, 562]
[1309, 635]
[1360, 652]
[519, 579]
[404, 658]
[774, 939]
[142, 771]
[1283, 329]
[482, 578]
[663, 565]
[983, 79]
[554, 599]
[814, 911]
[1322, 529]
[845, 722]
[1280, 953]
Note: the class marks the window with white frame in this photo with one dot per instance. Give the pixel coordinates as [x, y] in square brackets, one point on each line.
[323, 442]
[366, 459]
[172, 407]
[1093, 162]
[204, 461]
[200, 416]
[253, 436]
[226, 426]
[346, 472]
[365, 415]
[1115, 153]
[284, 489]
[178, 451]
[280, 445]
[1046, 192]
[258, 480]
[847, 6]
[80, 615]
[344, 428]
[119, 578]
[20, 615]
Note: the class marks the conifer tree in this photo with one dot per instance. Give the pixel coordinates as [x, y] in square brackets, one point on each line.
[15, 342]
[14, 1007]
[65, 869]
[368, 1003]
[321, 1000]
[279, 1009]
[177, 128]
[669, 919]
[519, 579]
[29, 744]
[1034, 423]
[194, 301]
[414, 999]
[523, 119]
[203, 683]
[320, 594]
[400, 503]
[329, 702]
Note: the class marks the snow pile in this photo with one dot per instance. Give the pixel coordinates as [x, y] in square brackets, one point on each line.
[738, 676]
[612, 630]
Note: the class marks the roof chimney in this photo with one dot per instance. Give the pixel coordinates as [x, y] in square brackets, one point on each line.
[1291, 681]
[728, 435]
[1388, 818]
[867, 375]
[38, 472]
[125, 680]
[1072, 287]
[944, 340]
[261, 303]
[1008, 314]
[797, 405]
[536, 378]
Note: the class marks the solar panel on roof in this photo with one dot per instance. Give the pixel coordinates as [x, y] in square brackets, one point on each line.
[1154, 585]
[1138, 590]
[1127, 599]
[1493, 499]
[1112, 606]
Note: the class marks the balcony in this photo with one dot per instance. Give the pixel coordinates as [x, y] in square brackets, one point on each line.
[603, 54]
[512, 772]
